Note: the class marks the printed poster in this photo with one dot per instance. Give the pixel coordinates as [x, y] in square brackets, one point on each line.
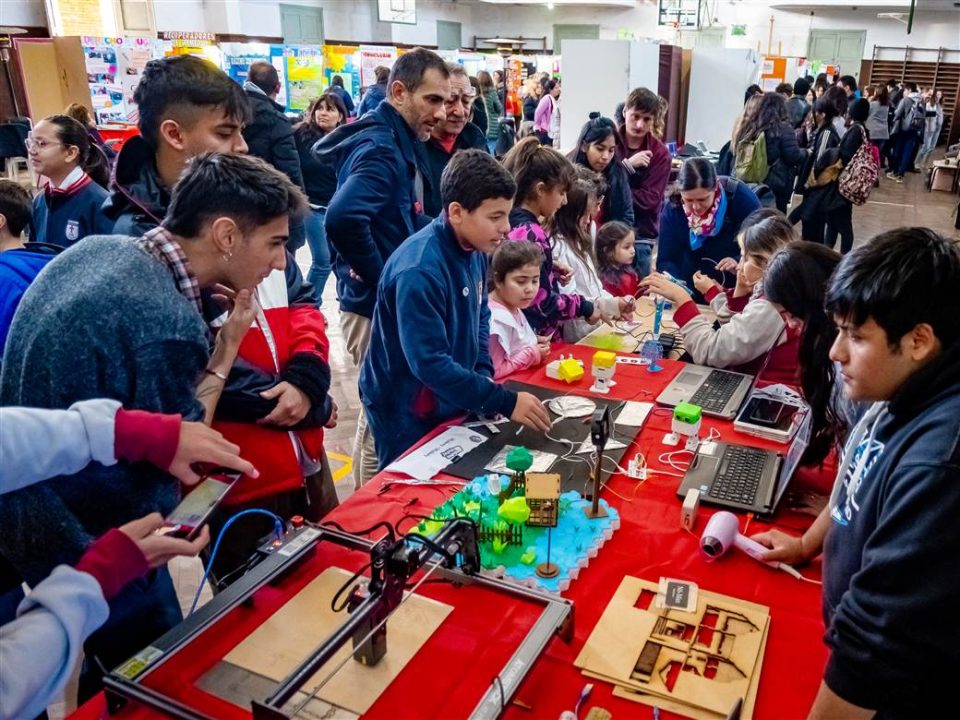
[304, 72]
[370, 57]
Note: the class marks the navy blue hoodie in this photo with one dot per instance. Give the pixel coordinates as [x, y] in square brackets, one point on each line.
[428, 359]
[63, 217]
[891, 573]
[375, 207]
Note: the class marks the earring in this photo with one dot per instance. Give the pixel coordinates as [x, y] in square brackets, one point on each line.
[228, 256]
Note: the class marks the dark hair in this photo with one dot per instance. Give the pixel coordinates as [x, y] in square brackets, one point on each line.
[16, 206]
[510, 256]
[618, 114]
[89, 157]
[307, 130]
[336, 81]
[825, 106]
[608, 237]
[801, 87]
[900, 279]
[859, 110]
[764, 231]
[530, 163]
[595, 130]
[910, 86]
[473, 176]
[410, 68]
[485, 81]
[264, 75]
[696, 173]
[784, 88]
[796, 279]
[769, 114]
[566, 222]
[751, 91]
[173, 86]
[822, 78]
[835, 94]
[241, 187]
[381, 73]
[850, 81]
[549, 85]
[80, 113]
[883, 95]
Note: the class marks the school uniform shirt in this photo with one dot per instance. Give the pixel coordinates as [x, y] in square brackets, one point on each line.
[513, 343]
[68, 213]
[429, 358]
[755, 337]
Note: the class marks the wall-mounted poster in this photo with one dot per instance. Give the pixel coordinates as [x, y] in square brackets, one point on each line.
[103, 76]
[133, 54]
[342, 60]
[304, 71]
[370, 57]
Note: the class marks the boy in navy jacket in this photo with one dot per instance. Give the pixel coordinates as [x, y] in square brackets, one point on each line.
[428, 360]
[891, 575]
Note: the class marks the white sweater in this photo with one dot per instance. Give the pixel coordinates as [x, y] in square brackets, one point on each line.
[584, 281]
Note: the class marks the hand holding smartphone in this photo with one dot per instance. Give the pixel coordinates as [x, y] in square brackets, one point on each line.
[189, 516]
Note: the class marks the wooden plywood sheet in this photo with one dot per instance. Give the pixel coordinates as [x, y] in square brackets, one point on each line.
[290, 634]
[703, 661]
[38, 63]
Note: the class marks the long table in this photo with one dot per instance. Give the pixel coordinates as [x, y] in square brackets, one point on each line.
[447, 677]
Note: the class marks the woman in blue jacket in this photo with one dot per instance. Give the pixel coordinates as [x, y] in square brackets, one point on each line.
[700, 222]
[69, 207]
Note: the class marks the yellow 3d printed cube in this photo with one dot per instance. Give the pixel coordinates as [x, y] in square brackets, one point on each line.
[604, 359]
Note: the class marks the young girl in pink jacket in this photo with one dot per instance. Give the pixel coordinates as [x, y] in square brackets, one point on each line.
[515, 280]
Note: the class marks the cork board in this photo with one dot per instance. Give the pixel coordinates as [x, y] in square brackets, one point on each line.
[296, 629]
[702, 662]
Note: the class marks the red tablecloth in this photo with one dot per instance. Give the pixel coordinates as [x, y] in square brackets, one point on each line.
[120, 133]
[446, 679]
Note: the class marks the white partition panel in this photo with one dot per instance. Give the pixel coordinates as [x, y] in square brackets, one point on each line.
[595, 78]
[718, 79]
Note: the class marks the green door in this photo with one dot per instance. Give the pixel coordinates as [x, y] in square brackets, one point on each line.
[843, 47]
[448, 35]
[573, 32]
[301, 25]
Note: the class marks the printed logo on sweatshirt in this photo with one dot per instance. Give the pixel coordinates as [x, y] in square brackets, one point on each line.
[846, 506]
[73, 230]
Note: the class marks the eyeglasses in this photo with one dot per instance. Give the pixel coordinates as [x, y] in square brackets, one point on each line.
[38, 145]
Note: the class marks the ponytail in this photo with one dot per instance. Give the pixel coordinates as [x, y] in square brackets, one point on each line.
[91, 158]
[530, 163]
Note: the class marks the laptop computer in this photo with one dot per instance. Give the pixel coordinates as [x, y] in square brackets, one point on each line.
[743, 478]
[719, 393]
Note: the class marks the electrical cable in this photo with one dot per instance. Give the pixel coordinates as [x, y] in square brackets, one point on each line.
[347, 584]
[277, 528]
[391, 530]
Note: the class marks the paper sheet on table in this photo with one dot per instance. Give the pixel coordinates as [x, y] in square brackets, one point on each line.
[446, 448]
[634, 414]
[587, 445]
[541, 461]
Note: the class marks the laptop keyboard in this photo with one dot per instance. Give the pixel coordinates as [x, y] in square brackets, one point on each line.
[716, 391]
[741, 469]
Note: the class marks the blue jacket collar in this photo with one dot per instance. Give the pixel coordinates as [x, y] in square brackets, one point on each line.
[448, 239]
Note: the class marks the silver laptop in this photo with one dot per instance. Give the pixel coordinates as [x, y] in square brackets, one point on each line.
[743, 478]
[719, 393]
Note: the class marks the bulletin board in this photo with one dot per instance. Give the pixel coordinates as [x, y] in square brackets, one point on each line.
[773, 71]
[342, 60]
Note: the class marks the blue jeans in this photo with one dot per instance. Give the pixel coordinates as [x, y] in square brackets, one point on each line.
[906, 142]
[319, 252]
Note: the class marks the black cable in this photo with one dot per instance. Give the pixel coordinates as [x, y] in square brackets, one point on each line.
[382, 524]
[503, 698]
[347, 584]
[427, 542]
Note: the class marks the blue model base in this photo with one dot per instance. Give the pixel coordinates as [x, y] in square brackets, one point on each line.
[512, 550]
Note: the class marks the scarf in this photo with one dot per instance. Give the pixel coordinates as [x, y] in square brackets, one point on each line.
[708, 224]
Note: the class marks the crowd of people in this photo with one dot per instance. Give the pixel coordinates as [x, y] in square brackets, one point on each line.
[455, 267]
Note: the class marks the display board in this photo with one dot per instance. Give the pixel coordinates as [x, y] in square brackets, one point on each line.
[343, 60]
[370, 57]
[114, 67]
[718, 79]
[303, 69]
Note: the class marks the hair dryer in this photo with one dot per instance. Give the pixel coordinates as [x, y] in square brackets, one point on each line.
[723, 532]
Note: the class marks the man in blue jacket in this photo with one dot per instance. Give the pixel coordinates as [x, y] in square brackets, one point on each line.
[379, 199]
[891, 579]
[428, 359]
